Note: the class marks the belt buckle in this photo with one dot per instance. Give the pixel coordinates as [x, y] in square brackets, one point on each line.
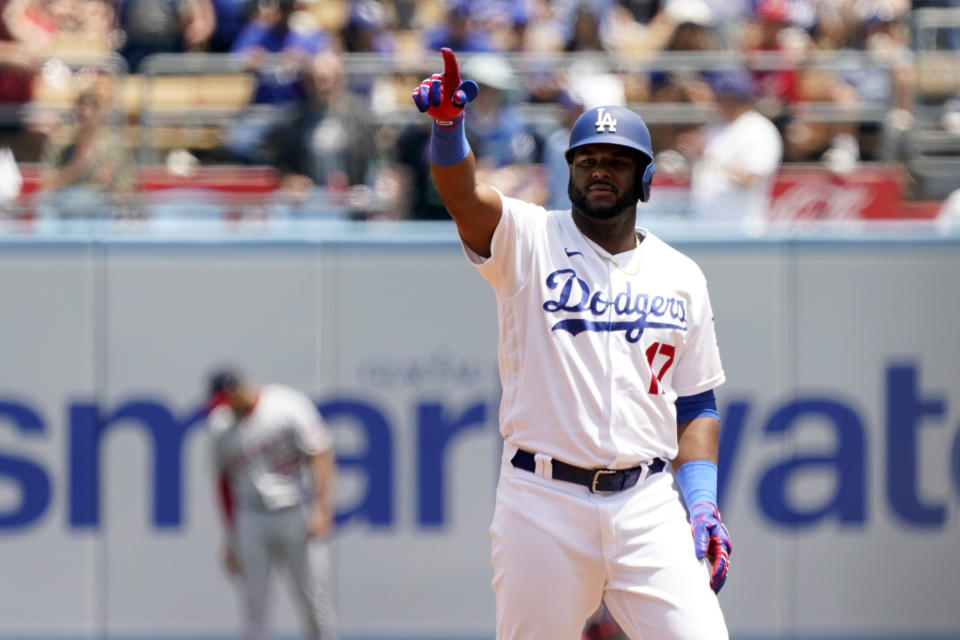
[596, 478]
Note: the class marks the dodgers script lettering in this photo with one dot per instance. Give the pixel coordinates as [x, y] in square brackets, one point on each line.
[633, 311]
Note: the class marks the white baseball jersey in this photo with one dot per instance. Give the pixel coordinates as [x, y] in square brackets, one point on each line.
[594, 349]
[266, 453]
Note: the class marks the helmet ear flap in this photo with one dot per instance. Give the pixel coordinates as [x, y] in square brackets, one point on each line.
[645, 179]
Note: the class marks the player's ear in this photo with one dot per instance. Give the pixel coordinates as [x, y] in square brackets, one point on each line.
[644, 176]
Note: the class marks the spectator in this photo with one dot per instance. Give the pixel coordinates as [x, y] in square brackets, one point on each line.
[606, 25]
[764, 38]
[91, 168]
[419, 197]
[533, 26]
[26, 30]
[275, 31]
[230, 17]
[734, 161]
[516, 31]
[404, 12]
[772, 37]
[498, 130]
[624, 32]
[692, 31]
[329, 145]
[79, 25]
[886, 41]
[458, 32]
[504, 21]
[851, 83]
[886, 78]
[585, 31]
[502, 140]
[366, 32]
[554, 149]
[164, 26]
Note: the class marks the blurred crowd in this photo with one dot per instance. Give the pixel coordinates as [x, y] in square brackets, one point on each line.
[328, 103]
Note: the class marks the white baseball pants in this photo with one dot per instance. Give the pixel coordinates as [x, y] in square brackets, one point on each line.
[558, 550]
[266, 538]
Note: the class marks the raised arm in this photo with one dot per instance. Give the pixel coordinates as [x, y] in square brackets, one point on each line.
[475, 207]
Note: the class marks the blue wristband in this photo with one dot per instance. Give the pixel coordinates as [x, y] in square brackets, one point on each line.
[697, 480]
[448, 144]
[700, 405]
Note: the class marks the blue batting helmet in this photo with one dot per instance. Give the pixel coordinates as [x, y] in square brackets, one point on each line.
[620, 126]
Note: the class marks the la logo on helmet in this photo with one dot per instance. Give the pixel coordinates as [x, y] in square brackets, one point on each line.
[605, 121]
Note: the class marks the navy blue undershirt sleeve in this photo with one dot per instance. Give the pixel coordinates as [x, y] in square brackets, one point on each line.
[697, 406]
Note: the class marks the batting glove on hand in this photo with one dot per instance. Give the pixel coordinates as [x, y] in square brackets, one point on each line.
[443, 96]
[711, 540]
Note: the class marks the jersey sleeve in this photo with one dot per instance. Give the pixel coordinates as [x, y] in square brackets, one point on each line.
[312, 435]
[698, 367]
[511, 249]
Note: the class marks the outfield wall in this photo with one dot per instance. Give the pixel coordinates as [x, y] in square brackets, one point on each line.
[840, 454]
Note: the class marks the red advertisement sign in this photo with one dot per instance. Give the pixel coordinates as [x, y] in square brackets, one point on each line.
[816, 194]
[869, 192]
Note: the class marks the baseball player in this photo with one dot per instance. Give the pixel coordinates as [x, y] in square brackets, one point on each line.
[274, 459]
[608, 361]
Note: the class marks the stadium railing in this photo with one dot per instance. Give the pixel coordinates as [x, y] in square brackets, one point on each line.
[189, 100]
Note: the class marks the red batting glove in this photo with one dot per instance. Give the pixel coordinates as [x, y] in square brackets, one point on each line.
[443, 96]
[711, 540]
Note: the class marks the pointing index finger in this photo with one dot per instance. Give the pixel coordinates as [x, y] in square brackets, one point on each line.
[451, 70]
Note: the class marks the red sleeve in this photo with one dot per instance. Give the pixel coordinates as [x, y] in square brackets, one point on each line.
[226, 499]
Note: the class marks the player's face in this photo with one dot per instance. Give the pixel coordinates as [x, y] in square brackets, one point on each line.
[603, 180]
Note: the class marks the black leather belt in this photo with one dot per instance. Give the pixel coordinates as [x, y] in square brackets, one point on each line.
[597, 480]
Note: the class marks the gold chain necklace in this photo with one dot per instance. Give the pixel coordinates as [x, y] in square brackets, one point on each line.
[611, 259]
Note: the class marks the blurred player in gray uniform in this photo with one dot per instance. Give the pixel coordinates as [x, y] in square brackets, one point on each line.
[274, 459]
